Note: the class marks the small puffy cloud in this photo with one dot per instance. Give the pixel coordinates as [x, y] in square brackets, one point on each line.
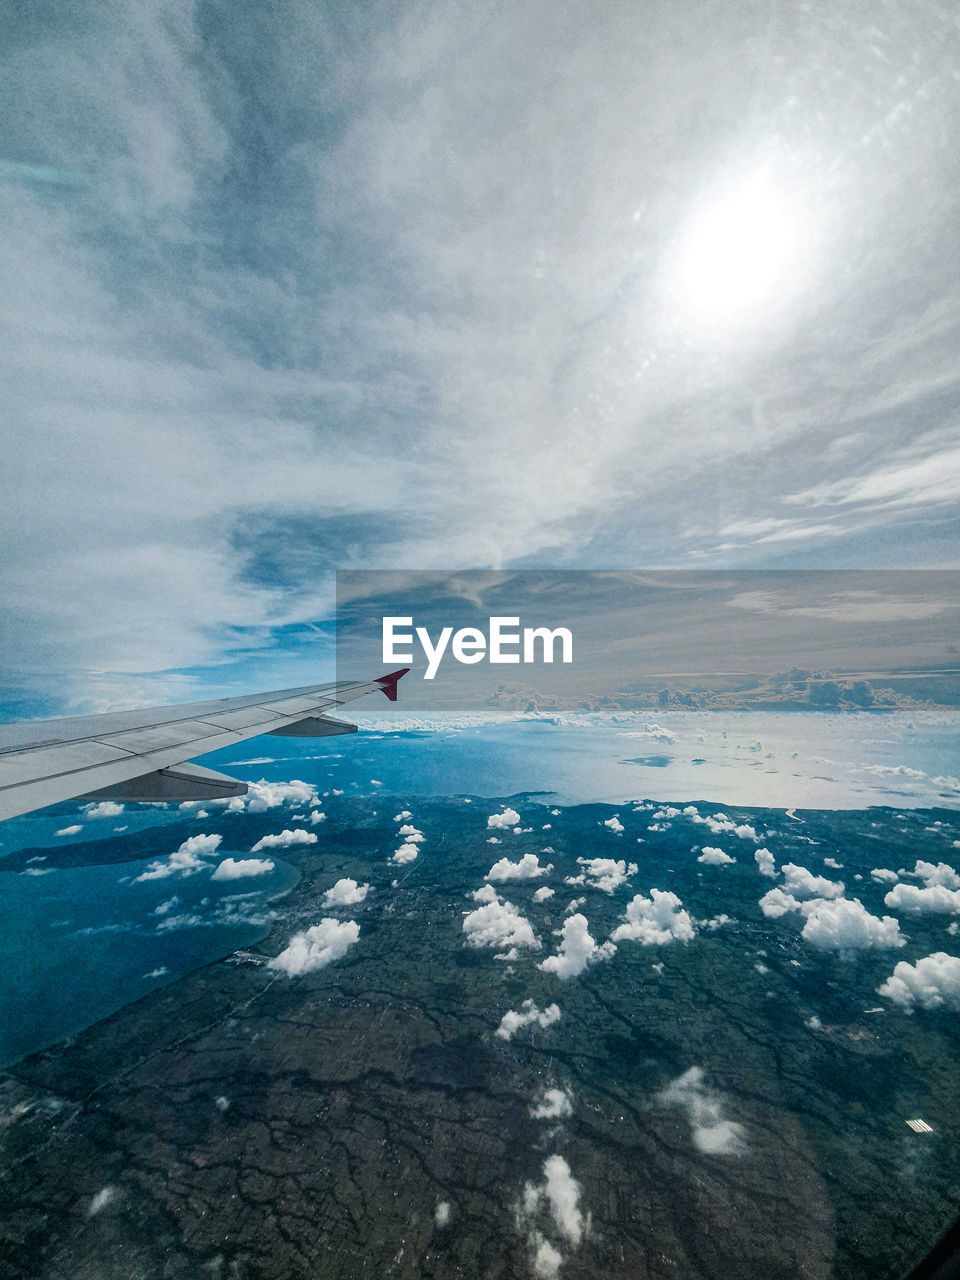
[105, 809]
[554, 1105]
[316, 947]
[441, 1216]
[607, 874]
[509, 818]
[285, 840]
[577, 950]
[614, 824]
[406, 853]
[494, 840]
[931, 983]
[528, 1014]
[934, 899]
[655, 921]
[844, 924]
[69, 831]
[264, 795]
[833, 864]
[402, 815]
[765, 862]
[528, 868]
[497, 924]
[574, 905]
[941, 874]
[317, 817]
[187, 860]
[547, 1260]
[776, 903]
[409, 830]
[233, 869]
[711, 1131]
[884, 876]
[165, 907]
[543, 894]
[345, 893]
[106, 1196]
[561, 1194]
[656, 732]
[802, 883]
[745, 832]
[715, 857]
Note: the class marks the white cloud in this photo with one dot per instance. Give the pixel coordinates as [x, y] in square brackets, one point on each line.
[402, 815]
[711, 1131]
[441, 1216]
[528, 868]
[187, 860]
[883, 875]
[408, 830]
[264, 795]
[543, 894]
[833, 864]
[604, 873]
[232, 869]
[931, 983]
[715, 857]
[800, 882]
[561, 1193]
[775, 903]
[843, 924]
[655, 921]
[508, 818]
[406, 853]
[933, 900]
[765, 862]
[614, 824]
[655, 732]
[105, 809]
[554, 1105]
[104, 1197]
[285, 840]
[317, 946]
[547, 1260]
[345, 893]
[69, 831]
[317, 817]
[577, 950]
[574, 904]
[494, 840]
[512, 1020]
[497, 924]
[940, 874]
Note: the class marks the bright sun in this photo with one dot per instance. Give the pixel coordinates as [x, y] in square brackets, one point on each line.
[740, 253]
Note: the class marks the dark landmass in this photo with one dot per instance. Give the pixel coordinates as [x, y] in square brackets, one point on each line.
[242, 1124]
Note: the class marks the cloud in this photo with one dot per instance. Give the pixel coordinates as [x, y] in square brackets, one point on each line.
[543, 894]
[508, 818]
[408, 830]
[547, 1260]
[574, 905]
[931, 983]
[800, 882]
[404, 813]
[345, 893]
[607, 874]
[317, 817]
[614, 824]
[69, 831]
[712, 1133]
[940, 874]
[883, 875]
[655, 921]
[528, 868]
[441, 1216]
[497, 923]
[317, 946]
[933, 900]
[554, 1105]
[577, 950]
[187, 860]
[560, 1192]
[843, 924]
[286, 839]
[765, 862]
[406, 853]
[715, 857]
[105, 809]
[775, 903]
[655, 732]
[529, 1014]
[263, 795]
[231, 869]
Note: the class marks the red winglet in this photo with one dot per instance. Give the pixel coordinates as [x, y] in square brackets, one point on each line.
[389, 683]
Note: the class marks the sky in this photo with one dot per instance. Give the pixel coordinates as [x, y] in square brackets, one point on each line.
[380, 285]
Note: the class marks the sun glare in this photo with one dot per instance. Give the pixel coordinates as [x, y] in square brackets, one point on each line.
[740, 254]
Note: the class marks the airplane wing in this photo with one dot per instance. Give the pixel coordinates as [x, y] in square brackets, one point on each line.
[141, 755]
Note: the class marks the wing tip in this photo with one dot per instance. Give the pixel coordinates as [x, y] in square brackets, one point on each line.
[388, 683]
